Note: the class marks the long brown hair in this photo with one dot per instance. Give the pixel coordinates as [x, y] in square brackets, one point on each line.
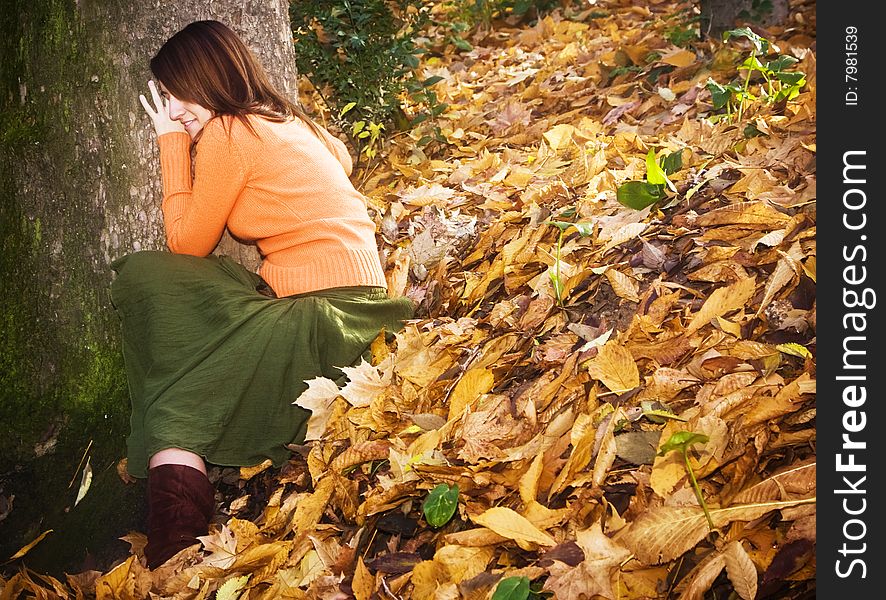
[208, 64]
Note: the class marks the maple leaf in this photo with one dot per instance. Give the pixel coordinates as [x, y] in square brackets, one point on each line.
[513, 113]
[222, 546]
[318, 399]
[365, 382]
[593, 576]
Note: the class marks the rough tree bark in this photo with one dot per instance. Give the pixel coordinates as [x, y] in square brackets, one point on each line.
[80, 187]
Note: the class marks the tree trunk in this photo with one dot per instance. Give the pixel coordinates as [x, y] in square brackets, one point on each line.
[80, 187]
[718, 16]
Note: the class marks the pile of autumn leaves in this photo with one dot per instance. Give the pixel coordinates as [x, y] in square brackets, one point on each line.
[561, 339]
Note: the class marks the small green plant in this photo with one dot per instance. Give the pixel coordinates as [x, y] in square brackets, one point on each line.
[780, 82]
[640, 194]
[682, 441]
[440, 505]
[682, 28]
[583, 229]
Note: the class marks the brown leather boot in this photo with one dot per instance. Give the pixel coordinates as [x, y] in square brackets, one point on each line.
[181, 502]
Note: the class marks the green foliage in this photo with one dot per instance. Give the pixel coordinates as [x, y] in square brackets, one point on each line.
[361, 57]
[779, 82]
[512, 588]
[683, 29]
[640, 194]
[440, 505]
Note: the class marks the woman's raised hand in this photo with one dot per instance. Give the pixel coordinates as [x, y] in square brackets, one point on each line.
[163, 123]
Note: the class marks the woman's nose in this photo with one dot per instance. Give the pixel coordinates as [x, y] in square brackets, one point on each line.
[176, 110]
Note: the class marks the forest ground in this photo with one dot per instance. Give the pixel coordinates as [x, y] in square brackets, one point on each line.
[584, 371]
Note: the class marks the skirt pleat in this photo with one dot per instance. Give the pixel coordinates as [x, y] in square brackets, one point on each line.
[214, 366]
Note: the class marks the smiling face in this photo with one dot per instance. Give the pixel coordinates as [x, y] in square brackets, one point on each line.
[191, 115]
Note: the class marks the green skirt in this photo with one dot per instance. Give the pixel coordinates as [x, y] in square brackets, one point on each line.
[214, 365]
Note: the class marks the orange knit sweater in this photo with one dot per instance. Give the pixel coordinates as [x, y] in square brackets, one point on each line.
[285, 190]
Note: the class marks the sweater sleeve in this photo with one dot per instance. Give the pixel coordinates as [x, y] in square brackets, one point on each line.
[195, 214]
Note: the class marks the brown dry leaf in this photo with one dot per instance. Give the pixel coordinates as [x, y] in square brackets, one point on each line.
[127, 581]
[744, 213]
[703, 576]
[426, 579]
[664, 533]
[593, 576]
[741, 570]
[723, 301]
[678, 57]
[512, 525]
[463, 562]
[615, 367]
[794, 481]
[624, 286]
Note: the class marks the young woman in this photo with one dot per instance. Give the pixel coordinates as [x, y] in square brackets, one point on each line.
[215, 354]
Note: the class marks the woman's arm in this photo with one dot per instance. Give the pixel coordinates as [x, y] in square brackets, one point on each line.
[195, 215]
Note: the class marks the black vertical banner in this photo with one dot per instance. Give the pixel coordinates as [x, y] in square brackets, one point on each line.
[850, 254]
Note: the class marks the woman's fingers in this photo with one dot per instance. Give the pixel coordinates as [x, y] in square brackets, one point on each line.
[151, 112]
[158, 101]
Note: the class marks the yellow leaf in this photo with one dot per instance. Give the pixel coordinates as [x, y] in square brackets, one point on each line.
[615, 367]
[27, 548]
[247, 473]
[559, 135]
[678, 58]
[363, 584]
[310, 509]
[461, 562]
[232, 588]
[722, 301]
[529, 480]
[117, 584]
[512, 525]
[473, 384]
[794, 350]
[426, 578]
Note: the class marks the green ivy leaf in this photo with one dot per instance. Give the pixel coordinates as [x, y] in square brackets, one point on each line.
[720, 94]
[639, 194]
[512, 588]
[440, 505]
[781, 63]
[761, 44]
[673, 162]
